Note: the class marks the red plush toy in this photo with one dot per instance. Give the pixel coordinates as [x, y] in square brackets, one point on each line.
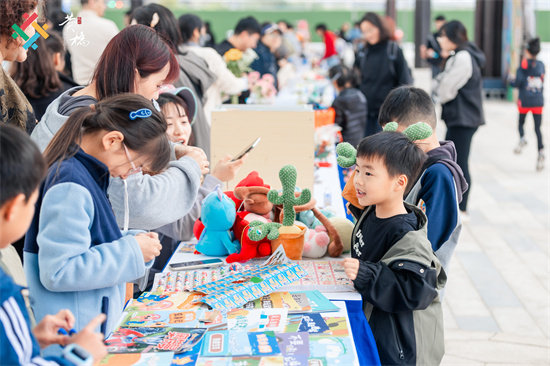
[253, 193]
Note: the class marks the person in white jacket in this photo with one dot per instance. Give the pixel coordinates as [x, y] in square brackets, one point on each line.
[191, 28]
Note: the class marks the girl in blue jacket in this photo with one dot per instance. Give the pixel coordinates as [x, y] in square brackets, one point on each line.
[75, 255]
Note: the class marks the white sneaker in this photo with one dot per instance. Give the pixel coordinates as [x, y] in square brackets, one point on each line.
[522, 143]
[540, 161]
[464, 217]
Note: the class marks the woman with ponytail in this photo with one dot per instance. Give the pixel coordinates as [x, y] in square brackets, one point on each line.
[75, 255]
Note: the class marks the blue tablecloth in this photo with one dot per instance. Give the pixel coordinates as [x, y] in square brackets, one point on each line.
[365, 345]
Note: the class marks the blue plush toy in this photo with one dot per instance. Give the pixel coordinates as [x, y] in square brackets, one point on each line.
[218, 215]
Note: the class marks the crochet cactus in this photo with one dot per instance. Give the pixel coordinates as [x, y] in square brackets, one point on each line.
[288, 176]
[418, 131]
[259, 230]
[346, 155]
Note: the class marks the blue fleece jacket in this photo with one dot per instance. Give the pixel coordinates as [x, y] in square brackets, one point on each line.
[75, 255]
[18, 345]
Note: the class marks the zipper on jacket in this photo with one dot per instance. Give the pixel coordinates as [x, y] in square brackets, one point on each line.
[399, 348]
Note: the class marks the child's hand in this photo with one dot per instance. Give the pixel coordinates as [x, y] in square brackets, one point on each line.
[46, 331]
[351, 267]
[149, 244]
[196, 154]
[91, 341]
[225, 170]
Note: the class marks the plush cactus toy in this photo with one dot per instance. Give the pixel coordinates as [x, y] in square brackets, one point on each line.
[259, 230]
[347, 154]
[288, 177]
[418, 131]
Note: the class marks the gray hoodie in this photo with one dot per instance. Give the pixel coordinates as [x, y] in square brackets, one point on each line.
[153, 201]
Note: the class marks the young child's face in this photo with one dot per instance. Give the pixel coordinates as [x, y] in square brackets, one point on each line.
[373, 184]
[179, 128]
[17, 215]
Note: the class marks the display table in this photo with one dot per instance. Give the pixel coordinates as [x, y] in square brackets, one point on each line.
[365, 350]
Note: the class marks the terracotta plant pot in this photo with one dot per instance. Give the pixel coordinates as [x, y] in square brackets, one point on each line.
[293, 243]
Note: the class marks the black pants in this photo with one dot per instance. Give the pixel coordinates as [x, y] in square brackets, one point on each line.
[462, 138]
[538, 121]
[372, 126]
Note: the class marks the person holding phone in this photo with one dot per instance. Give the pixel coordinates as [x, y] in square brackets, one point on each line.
[180, 109]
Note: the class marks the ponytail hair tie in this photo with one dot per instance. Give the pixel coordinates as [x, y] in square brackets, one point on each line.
[92, 107]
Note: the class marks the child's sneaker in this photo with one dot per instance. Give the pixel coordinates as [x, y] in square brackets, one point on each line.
[522, 143]
[540, 161]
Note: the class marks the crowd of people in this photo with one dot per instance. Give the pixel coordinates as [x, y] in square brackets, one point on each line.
[118, 162]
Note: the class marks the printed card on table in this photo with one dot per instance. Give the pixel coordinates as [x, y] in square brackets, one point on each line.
[264, 343]
[242, 361]
[137, 359]
[318, 302]
[313, 323]
[292, 344]
[331, 350]
[257, 320]
[277, 300]
[159, 319]
[239, 343]
[145, 340]
[153, 301]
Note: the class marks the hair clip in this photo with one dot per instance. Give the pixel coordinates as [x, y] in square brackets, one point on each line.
[92, 107]
[336, 76]
[156, 105]
[141, 113]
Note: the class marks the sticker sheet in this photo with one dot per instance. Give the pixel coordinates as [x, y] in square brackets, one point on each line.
[237, 289]
[145, 340]
[323, 276]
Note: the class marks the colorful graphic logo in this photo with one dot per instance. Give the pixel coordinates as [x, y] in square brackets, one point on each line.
[40, 31]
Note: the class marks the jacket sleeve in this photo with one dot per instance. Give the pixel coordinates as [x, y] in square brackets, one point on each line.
[402, 286]
[66, 259]
[457, 72]
[404, 76]
[182, 229]
[157, 200]
[19, 346]
[439, 194]
[520, 80]
[226, 82]
[339, 109]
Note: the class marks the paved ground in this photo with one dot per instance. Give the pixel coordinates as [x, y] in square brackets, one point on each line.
[497, 299]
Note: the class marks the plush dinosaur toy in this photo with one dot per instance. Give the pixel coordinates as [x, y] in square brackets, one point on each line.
[347, 154]
[218, 215]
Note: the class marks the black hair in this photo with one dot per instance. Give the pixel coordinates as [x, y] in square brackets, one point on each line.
[248, 24]
[188, 23]
[166, 98]
[146, 136]
[408, 105]
[321, 27]
[343, 75]
[456, 32]
[533, 46]
[377, 21]
[22, 166]
[398, 154]
[167, 25]
[440, 18]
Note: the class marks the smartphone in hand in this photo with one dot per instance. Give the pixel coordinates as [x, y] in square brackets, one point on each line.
[246, 150]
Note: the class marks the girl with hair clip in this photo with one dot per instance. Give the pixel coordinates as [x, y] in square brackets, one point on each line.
[139, 61]
[75, 255]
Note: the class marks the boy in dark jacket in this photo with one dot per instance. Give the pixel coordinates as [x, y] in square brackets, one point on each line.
[23, 168]
[441, 184]
[350, 105]
[393, 266]
[529, 80]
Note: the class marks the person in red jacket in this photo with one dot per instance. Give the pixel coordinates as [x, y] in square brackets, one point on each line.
[329, 38]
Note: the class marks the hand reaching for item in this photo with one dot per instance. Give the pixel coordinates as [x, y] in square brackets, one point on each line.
[91, 341]
[351, 267]
[225, 170]
[46, 331]
[149, 244]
